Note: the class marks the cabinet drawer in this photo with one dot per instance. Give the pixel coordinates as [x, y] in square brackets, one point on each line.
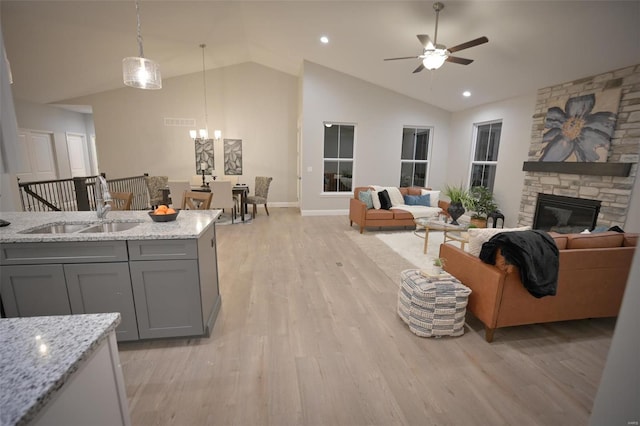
[163, 249]
[63, 252]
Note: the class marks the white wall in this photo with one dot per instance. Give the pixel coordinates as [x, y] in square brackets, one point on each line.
[57, 120]
[247, 101]
[516, 115]
[379, 115]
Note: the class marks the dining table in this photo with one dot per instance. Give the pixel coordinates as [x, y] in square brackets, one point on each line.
[241, 190]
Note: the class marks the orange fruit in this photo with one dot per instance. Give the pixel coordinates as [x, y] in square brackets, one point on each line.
[158, 211]
[170, 211]
[162, 207]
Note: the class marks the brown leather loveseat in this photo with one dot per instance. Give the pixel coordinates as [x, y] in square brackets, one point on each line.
[359, 214]
[592, 277]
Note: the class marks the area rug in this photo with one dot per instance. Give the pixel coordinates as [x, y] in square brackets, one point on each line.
[410, 245]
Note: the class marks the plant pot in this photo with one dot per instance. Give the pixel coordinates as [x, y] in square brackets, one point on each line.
[455, 210]
[479, 222]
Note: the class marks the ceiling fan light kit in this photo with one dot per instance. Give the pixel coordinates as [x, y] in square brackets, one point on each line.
[434, 55]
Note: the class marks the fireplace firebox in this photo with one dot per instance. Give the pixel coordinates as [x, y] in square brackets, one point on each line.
[565, 214]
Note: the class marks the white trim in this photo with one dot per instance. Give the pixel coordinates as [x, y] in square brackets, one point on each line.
[284, 204]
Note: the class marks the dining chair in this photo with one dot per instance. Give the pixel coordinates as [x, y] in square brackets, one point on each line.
[120, 200]
[177, 190]
[196, 200]
[261, 192]
[155, 184]
[223, 197]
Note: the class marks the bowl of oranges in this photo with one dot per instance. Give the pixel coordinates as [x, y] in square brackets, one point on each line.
[164, 214]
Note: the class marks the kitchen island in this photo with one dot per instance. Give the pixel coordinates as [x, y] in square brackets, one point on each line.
[61, 370]
[162, 277]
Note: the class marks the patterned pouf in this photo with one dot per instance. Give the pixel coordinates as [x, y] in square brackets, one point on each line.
[432, 306]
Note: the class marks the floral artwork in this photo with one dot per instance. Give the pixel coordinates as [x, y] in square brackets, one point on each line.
[204, 156]
[582, 131]
[233, 157]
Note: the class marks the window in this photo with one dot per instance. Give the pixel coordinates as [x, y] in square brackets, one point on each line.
[338, 157]
[414, 159]
[485, 157]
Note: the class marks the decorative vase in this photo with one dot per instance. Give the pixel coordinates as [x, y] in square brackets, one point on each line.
[455, 210]
[479, 222]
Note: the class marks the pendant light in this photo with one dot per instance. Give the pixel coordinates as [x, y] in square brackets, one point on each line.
[204, 133]
[140, 72]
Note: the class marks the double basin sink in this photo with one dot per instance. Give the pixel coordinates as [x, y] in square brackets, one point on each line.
[85, 227]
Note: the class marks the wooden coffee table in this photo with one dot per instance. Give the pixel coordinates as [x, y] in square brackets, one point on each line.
[451, 232]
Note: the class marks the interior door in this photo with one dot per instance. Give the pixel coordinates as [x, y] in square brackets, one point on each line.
[78, 154]
[36, 159]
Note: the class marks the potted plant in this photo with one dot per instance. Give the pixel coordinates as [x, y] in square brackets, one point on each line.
[438, 264]
[480, 201]
[457, 196]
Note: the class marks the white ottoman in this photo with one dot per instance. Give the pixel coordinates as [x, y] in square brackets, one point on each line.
[432, 306]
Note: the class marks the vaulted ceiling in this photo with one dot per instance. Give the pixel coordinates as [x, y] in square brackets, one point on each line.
[59, 50]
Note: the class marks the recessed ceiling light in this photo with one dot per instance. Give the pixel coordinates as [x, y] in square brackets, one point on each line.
[466, 93]
[324, 39]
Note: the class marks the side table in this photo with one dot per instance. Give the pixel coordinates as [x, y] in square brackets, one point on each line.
[432, 305]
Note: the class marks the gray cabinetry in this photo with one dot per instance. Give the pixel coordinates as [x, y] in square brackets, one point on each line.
[34, 290]
[167, 298]
[103, 287]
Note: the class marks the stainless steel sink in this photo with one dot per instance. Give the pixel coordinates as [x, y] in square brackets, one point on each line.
[87, 227]
[110, 227]
[57, 228]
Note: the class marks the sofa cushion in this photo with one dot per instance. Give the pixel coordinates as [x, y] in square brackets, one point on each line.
[380, 214]
[434, 196]
[600, 240]
[417, 200]
[630, 240]
[398, 213]
[385, 200]
[560, 239]
[479, 236]
[365, 197]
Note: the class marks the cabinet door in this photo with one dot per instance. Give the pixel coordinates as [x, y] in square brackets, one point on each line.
[167, 298]
[103, 287]
[34, 290]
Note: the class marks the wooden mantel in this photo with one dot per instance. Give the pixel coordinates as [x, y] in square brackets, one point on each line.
[575, 168]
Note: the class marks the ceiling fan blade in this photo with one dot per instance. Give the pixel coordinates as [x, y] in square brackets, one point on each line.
[420, 68]
[425, 41]
[472, 43]
[457, 60]
[403, 57]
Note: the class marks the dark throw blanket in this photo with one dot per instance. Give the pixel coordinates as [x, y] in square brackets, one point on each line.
[534, 252]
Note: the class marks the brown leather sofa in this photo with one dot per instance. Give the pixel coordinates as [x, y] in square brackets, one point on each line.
[592, 277]
[359, 214]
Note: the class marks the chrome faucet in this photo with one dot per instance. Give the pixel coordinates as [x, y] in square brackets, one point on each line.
[102, 196]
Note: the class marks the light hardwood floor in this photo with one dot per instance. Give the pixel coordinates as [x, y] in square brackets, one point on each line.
[308, 335]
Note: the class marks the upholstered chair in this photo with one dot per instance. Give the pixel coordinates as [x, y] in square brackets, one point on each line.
[261, 192]
[155, 184]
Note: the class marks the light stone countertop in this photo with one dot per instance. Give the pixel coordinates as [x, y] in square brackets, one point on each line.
[188, 224]
[39, 354]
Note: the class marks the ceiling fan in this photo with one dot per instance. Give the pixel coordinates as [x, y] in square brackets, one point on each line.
[434, 55]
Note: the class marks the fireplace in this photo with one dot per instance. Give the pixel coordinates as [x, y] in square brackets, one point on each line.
[565, 214]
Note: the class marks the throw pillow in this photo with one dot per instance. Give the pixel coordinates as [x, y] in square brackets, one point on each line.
[385, 201]
[434, 197]
[418, 200]
[395, 196]
[375, 199]
[479, 236]
[365, 197]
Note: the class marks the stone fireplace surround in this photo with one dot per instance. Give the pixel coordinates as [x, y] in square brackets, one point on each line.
[613, 191]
